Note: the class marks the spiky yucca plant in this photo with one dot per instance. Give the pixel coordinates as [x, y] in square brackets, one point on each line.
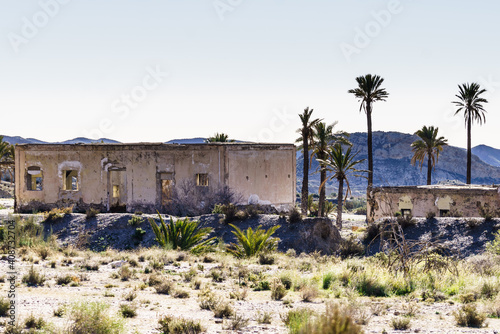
[182, 234]
[252, 242]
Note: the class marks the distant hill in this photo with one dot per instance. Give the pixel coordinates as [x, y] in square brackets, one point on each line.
[392, 155]
[197, 140]
[488, 154]
[79, 140]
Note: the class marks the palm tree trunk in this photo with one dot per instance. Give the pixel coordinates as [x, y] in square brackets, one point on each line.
[469, 150]
[305, 179]
[429, 168]
[322, 192]
[369, 199]
[340, 203]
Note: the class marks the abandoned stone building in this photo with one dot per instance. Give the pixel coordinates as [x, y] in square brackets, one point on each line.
[441, 200]
[140, 177]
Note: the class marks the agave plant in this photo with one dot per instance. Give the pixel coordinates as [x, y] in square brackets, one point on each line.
[182, 234]
[252, 242]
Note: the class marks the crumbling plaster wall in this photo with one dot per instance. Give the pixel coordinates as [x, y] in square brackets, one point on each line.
[142, 165]
[464, 200]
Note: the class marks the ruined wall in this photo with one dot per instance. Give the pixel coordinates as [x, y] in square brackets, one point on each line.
[439, 200]
[135, 176]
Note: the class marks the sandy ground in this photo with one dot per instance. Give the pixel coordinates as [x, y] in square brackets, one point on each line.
[103, 285]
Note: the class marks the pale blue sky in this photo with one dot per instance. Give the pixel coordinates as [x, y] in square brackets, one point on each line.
[244, 67]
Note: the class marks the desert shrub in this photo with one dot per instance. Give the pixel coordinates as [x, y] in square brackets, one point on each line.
[28, 234]
[229, 211]
[263, 285]
[130, 296]
[252, 242]
[278, 290]
[92, 317]
[4, 307]
[406, 221]
[33, 278]
[253, 210]
[128, 310]
[294, 215]
[223, 310]
[400, 324]
[32, 322]
[181, 294]
[360, 211]
[57, 213]
[91, 213]
[287, 280]
[236, 323]
[135, 220]
[43, 251]
[264, 318]
[138, 234]
[65, 280]
[209, 300]
[494, 246]
[334, 321]
[327, 279]
[369, 286]
[309, 292]
[486, 211]
[165, 288]
[296, 319]
[178, 325]
[266, 258]
[351, 247]
[125, 273]
[468, 316]
[189, 200]
[59, 312]
[90, 266]
[182, 234]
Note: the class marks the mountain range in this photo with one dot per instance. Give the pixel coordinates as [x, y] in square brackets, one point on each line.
[392, 155]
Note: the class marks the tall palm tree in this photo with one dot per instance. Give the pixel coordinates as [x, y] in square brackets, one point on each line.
[219, 138]
[429, 145]
[470, 102]
[306, 132]
[323, 137]
[342, 165]
[369, 90]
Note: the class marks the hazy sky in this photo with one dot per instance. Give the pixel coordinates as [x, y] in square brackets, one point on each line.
[154, 70]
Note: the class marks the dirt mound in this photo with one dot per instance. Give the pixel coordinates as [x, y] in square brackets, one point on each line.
[123, 231]
[460, 236]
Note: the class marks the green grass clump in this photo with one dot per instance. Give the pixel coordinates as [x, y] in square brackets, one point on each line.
[128, 310]
[4, 307]
[178, 325]
[33, 323]
[296, 319]
[251, 243]
[33, 278]
[333, 321]
[400, 324]
[92, 317]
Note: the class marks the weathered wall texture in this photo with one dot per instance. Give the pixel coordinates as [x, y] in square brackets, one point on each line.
[136, 176]
[437, 199]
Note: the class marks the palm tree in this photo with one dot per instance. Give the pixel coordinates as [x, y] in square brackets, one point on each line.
[342, 165]
[369, 91]
[306, 132]
[219, 138]
[470, 102]
[323, 137]
[429, 145]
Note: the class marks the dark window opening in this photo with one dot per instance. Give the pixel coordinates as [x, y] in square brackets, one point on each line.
[70, 180]
[34, 179]
[202, 180]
